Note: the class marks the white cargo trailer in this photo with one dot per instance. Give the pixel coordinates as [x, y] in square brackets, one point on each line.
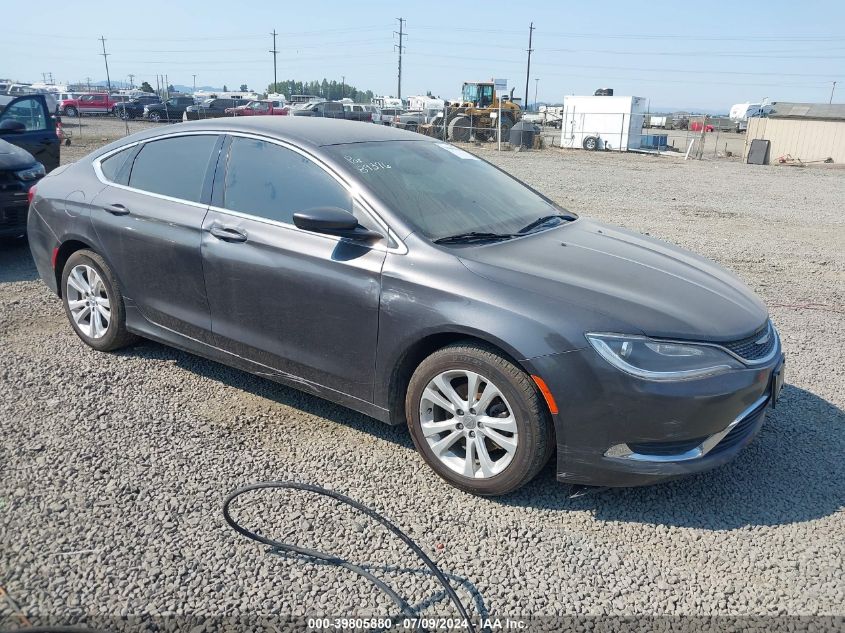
[612, 123]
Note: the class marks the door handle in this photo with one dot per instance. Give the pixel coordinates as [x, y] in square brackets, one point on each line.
[228, 234]
[116, 209]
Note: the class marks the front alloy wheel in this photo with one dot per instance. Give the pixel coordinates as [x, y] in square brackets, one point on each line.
[468, 423]
[478, 419]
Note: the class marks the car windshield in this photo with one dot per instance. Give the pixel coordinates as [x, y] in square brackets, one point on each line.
[443, 190]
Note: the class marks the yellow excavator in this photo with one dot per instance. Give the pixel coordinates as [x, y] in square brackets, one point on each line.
[474, 117]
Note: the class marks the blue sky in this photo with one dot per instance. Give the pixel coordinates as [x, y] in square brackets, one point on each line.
[676, 54]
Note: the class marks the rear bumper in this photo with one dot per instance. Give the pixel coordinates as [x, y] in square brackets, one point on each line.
[617, 430]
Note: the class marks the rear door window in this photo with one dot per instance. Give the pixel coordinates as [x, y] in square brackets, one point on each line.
[174, 167]
[272, 182]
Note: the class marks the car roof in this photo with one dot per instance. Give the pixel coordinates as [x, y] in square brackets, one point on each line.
[299, 130]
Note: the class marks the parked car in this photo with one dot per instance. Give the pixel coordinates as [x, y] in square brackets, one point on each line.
[18, 172]
[331, 110]
[385, 116]
[211, 108]
[28, 122]
[412, 121]
[259, 108]
[92, 103]
[696, 126]
[360, 107]
[171, 110]
[134, 108]
[414, 282]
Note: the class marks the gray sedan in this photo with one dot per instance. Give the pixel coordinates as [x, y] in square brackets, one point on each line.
[412, 281]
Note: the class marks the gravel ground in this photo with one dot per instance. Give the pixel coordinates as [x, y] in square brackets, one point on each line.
[115, 466]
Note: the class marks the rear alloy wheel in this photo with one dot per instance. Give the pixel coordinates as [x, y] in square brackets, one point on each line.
[590, 143]
[478, 419]
[155, 117]
[93, 303]
[70, 111]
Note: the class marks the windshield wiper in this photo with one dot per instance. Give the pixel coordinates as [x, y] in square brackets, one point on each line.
[546, 219]
[473, 236]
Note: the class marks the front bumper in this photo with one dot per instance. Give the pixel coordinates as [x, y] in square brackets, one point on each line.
[13, 210]
[616, 430]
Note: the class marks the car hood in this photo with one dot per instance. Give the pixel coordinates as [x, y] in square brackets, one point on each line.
[659, 289]
[13, 157]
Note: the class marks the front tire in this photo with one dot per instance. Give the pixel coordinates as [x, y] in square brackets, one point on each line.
[155, 117]
[71, 111]
[93, 302]
[478, 420]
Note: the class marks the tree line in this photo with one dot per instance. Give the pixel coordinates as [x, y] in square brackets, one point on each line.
[330, 90]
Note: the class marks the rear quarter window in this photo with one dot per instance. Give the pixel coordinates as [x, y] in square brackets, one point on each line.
[114, 167]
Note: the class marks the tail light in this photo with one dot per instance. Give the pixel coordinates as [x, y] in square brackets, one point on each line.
[59, 129]
[396, 119]
[30, 194]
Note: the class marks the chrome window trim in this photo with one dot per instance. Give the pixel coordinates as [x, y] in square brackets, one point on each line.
[624, 452]
[356, 195]
[98, 170]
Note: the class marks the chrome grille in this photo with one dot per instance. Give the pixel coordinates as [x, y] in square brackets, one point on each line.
[757, 346]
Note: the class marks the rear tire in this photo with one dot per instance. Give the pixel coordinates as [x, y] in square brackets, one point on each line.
[590, 143]
[155, 117]
[459, 129]
[478, 420]
[94, 303]
[71, 111]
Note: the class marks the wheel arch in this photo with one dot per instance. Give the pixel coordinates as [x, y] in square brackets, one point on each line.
[66, 249]
[410, 358]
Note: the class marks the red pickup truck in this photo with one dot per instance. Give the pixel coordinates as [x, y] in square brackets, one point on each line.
[259, 108]
[93, 103]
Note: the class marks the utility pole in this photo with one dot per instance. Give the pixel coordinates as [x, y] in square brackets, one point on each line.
[342, 86]
[536, 84]
[131, 81]
[528, 70]
[275, 54]
[832, 90]
[195, 83]
[106, 59]
[401, 35]
[88, 80]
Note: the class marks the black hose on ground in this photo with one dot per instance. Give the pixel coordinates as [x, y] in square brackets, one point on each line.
[404, 607]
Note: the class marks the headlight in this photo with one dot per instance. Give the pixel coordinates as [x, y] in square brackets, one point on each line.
[146, 109]
[660, 360]
[32, 173]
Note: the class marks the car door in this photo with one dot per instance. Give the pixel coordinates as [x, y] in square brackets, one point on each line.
[87, 104]
[28, 123]
[301, 304]
[149, 223]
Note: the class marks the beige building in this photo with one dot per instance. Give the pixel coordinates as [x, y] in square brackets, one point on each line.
[811, 132]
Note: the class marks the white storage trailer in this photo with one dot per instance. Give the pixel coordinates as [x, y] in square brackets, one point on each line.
[613, 123]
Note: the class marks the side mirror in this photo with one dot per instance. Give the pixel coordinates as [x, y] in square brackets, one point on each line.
[333, 221]
[11, 126]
